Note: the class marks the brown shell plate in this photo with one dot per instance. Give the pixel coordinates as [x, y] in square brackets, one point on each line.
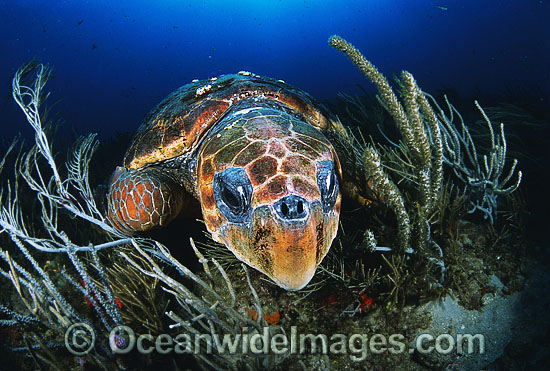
[176, 126]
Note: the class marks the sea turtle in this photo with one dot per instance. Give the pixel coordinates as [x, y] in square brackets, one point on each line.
[253, 151]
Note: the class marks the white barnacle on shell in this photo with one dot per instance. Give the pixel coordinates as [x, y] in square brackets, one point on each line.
[247, 73]
[203, 89]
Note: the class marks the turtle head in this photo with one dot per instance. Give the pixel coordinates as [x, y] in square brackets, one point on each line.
[269, 189]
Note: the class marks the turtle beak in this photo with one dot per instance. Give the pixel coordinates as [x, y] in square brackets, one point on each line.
[295, 255]
[301, 235]
[294, 250]
[286, 241]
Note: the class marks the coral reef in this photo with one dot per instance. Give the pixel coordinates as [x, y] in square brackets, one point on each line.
[409, 241]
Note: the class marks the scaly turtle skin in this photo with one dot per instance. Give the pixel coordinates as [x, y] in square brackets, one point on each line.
[253, 152]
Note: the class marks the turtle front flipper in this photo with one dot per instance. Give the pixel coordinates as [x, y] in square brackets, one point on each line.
[141, 199]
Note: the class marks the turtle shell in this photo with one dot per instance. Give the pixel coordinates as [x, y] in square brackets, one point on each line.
[176, 126]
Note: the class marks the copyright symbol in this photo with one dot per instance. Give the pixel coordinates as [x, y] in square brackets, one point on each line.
[79, 339]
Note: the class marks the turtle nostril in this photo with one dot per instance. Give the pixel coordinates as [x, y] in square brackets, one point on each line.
[284, 210]
[291, 207]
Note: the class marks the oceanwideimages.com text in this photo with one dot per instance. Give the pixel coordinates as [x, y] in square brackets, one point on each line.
[123, 339]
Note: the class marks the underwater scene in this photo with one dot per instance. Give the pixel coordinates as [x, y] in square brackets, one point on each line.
[274, 185]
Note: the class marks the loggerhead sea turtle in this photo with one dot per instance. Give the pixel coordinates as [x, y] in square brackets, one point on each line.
[252, 150]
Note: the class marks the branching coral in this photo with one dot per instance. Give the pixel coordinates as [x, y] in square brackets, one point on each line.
[481, 174]
[46, 302]
[407, 174]
[417, 123]
[430, 139]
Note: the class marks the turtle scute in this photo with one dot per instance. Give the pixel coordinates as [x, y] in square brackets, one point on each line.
[252, 150]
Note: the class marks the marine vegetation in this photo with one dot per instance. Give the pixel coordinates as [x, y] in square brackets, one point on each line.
[79, 282]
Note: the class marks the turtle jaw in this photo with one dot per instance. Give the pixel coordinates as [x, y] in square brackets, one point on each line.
[286, 251]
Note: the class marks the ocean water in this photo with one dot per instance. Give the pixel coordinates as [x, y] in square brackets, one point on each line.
[114, 60]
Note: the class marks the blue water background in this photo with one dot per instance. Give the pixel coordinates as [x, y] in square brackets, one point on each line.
[114, 60]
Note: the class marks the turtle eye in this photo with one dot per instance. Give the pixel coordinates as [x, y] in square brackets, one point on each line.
[328, 185]
[232, 192]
